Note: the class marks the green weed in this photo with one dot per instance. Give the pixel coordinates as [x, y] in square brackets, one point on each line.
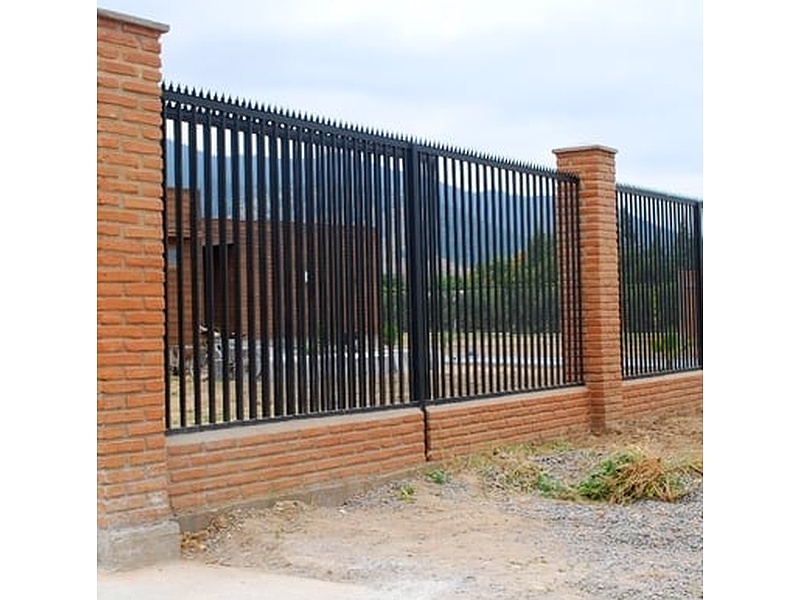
[439, 476]
[406, 492]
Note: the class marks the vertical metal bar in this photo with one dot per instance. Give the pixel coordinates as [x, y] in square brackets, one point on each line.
[326, 300]
[166, 267]
[288, 159]
[548, 252]
[698, 232]
[339, 276]
[252, 334]
[417, 252]
[358, 235]
[634, 358]
[396, 333]
[349, 297]
[451, 273]
[577, 314]
[483, 270]
[623, 234]
[660, 230]
[645, 292]
[476, 279]
[194, 249]
[672, 286]
[333, 278]
[564, 298]
[579, 347]
[180, 252]
[208, 280]
[265, 166]
[687, 302]
[555, 289]
[468, 282]
[507, 243]
[383, 269]
[536, 278]
[397, 287]
[510, 258]
[680, 261]
[683, 251]
[237, 270]
[634, 286]
[528, 294]
[300, 271]
[277, 189]
[321, 275]
[402, 268]
[222, 227]
[541, 283]
[651, 284]
[633, 276]
[655, 284]
[519, 228]
[372, 274]
[496, 277]
[631, 299]
[431, 218]
[312, 229]
[680, 294]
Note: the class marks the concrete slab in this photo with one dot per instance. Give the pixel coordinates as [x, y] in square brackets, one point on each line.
[187, 579]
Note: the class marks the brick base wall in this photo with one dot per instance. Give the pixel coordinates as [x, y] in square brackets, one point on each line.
[465, 427]
[667, 393]
[254, 465]
[245, 465]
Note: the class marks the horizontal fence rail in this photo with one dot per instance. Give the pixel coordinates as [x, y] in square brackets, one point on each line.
[317, 269]
[661, 282]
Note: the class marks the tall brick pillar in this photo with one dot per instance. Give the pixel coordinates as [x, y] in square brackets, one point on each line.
[134, 524]
[596, 168]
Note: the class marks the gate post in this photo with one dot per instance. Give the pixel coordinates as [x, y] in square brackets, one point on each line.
[599, 270]
[134, 517]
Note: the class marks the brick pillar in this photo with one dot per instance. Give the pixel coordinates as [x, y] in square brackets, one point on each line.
[595, 166]
[134, 519]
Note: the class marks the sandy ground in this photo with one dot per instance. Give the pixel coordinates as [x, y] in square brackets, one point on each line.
[451, 531]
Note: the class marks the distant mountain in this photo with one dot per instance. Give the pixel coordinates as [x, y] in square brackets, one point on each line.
[474, 227]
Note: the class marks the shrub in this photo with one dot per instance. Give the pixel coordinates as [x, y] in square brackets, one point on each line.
[628, 477]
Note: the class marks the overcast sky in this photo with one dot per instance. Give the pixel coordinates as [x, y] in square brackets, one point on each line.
[513, 79]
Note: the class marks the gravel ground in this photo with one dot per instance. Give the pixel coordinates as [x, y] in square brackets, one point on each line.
[471, 538]
[647, 550]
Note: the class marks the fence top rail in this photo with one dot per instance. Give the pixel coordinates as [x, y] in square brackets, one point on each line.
[179, 98]
[637, 191]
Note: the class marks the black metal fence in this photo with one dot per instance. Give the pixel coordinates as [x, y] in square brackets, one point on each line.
[313, 268]
[661, 282]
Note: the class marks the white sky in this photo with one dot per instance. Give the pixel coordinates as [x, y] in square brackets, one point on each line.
[509, 78]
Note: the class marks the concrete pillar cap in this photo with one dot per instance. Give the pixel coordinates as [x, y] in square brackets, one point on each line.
[155, 25]
[569, 149]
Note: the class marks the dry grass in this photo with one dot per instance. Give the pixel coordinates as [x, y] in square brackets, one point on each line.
[657, 458]
[629, 477]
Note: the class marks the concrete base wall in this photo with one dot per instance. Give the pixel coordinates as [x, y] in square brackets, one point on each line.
[133, 547]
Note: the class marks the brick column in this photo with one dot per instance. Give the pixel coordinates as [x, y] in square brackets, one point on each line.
[134, 519]
[595, 166]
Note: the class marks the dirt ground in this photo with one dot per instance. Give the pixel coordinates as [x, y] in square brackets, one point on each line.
[467, 530]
